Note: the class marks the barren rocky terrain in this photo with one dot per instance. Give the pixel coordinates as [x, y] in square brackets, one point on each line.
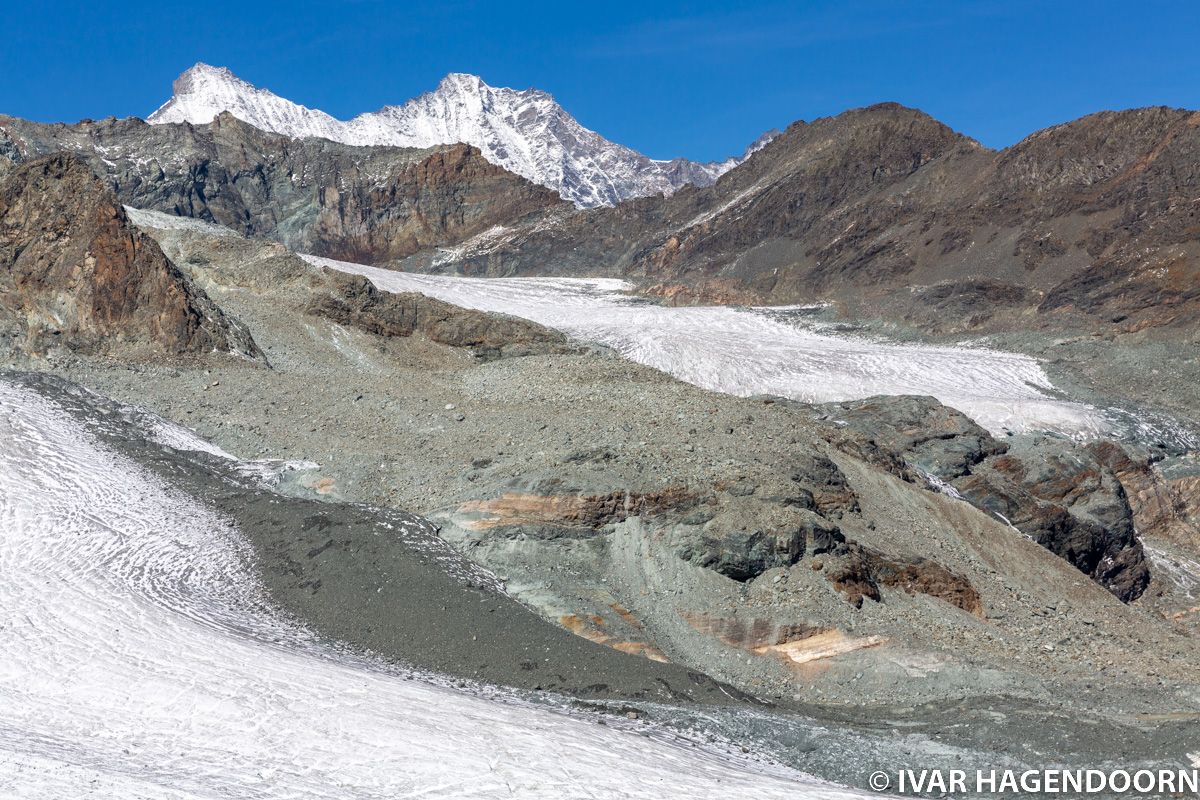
[803, 555]
[883, 576]
[885, 211]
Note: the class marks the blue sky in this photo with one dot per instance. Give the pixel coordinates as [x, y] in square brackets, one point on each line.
[670, 79]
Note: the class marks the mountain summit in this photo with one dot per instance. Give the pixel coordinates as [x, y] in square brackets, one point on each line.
[526, 132]
[203, 92]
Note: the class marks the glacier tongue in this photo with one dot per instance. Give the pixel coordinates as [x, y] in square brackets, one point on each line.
[526, 132]
[745, 353]
[138, 662]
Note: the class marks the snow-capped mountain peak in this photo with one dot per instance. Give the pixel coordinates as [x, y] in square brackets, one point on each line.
[525, 131]
[462, 80]
[203, 92]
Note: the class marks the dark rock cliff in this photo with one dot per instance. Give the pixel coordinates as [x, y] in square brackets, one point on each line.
[1067, 498]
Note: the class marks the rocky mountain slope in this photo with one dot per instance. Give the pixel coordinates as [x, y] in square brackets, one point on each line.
[884, 211]
[877, 560]
[1092, 223]
[312, 194]
[526, 132]
[435, 485]
[837, 555]
[75, 274]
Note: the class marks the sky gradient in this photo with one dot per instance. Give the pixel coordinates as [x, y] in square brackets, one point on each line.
[670, 79]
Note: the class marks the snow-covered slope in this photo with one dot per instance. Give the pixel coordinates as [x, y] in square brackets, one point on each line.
[139, 663]
[526, 132]
[203, 92]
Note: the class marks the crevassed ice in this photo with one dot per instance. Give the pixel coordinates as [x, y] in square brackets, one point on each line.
[746, 353]
[138, 661]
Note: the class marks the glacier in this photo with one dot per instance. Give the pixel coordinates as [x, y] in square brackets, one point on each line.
[747, 352]
[524, 131]
[140, 661]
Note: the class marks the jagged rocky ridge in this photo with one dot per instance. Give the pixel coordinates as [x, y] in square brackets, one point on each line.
[75, 274]
[356, 203]
[526, 132]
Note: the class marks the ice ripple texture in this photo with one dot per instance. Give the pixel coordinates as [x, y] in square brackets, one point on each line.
[139, 661]
[746, 352]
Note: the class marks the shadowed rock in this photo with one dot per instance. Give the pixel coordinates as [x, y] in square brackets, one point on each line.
[743, 553]
[1065, 497]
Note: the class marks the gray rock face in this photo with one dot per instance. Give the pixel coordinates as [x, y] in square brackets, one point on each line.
[1065, 497]
[1069, 502]
[822, 486]
[932, 437]
[354, 203]
[744, 552]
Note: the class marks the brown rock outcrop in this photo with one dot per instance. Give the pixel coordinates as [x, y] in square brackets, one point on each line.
[74, 273]
[923, 576]
[450, 195]
[858, 572]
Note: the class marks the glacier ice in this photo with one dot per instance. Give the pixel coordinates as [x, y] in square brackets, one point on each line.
[745, 352]
[139, 661]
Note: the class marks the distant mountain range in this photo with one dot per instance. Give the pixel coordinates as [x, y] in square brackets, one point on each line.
[884, 211]
[1093, 224]
[526, 132]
